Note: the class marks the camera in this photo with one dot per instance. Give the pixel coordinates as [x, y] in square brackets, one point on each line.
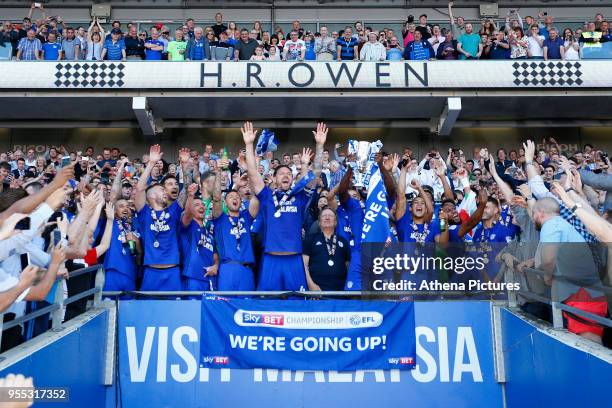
[410, 19]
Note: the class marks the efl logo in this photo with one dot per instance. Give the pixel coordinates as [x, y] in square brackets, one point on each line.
[406, 360]
[264, 318]
[221, 360]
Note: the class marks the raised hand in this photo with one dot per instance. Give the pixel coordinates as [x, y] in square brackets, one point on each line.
[65, 174]
[576, 181]
[416, 184]
[529, 150]
[248, 134]
[320, 134]
[155, 153]
[90, 202]
[565, 164]
[562, 194]
[58, 255]
[492, 168]
[483, 196]
[192, 189]
[8, 226]
[184, 155]
[391, 162]
[519, 200]
[57, 199]
[29, 274]
[305, 156]
[439, 169]
[524, 190]
[484, 153]
[109, 210]
[461, 173]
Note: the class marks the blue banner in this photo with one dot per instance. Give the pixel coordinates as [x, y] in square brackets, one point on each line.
[376, 220]
[338, 335]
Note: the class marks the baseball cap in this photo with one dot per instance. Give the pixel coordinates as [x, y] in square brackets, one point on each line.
[116, 31]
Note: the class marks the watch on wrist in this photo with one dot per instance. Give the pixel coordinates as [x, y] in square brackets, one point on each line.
[576, 207]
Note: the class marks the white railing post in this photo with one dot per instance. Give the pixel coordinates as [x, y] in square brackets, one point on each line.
[99, 285]
[57, 315]
[557, 316]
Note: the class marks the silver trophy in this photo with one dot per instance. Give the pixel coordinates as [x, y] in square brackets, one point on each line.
[364, 153]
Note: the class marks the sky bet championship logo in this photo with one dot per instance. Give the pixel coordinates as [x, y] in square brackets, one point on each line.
[308, 320]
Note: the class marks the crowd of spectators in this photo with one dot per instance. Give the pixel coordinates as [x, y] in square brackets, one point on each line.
[51, 38]
[252, 219]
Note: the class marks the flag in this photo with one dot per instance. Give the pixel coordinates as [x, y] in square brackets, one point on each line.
[267, 142]
[376, 220]
[302, 183]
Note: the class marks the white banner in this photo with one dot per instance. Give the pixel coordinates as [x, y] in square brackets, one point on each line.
[300, 75]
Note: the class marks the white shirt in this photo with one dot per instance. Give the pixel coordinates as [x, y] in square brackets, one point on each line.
[571, 54]
[373, 52]
[293, 50]
[534, 48]
[434, 44]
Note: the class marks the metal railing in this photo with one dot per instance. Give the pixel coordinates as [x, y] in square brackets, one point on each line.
[557, 307]
[56, 309]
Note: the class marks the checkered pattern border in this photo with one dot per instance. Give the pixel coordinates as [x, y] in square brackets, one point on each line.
[547, 73]
[89, 75]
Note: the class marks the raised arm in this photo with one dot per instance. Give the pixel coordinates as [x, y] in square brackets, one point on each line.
[385, 170]
[596, 225]
[253, 206]
[477, 215]
[400, 204]
[305, 161]
[344, 185]
[78, 227]
[441, 173]
[503, 186]
[187, 214]
[39, 292]
[140, 198]
[187, 175]
[27, 204]
[217, 204]
[108, 230]
[320, 136]
[116, 187]
[92, 222]
[255, 179]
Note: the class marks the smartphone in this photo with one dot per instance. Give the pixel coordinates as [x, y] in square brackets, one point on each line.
[57, 236]
[25, 260]
[37, 5]
[23, 224]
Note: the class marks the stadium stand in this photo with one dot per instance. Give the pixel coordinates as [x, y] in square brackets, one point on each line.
[130, 171]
